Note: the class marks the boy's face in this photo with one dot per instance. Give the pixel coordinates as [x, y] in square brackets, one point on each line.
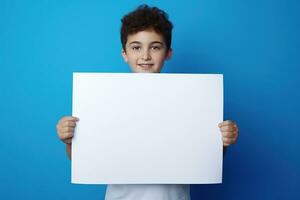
[146, 51]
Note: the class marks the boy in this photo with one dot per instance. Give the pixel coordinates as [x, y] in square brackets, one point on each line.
[146, 40]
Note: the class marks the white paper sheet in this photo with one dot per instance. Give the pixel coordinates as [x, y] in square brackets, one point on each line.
[142, 128]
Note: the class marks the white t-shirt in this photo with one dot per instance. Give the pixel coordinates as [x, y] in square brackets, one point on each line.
[147, 192]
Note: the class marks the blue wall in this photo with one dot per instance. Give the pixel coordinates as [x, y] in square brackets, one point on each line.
[254, 43]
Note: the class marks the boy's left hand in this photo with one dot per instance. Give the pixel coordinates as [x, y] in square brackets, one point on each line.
[229, 131]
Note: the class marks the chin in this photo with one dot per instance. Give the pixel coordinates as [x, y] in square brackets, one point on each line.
[146, 70]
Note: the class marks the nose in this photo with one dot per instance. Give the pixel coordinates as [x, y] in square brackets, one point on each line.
[146, 55]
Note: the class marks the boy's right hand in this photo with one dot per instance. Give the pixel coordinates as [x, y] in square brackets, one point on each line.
[65, 128]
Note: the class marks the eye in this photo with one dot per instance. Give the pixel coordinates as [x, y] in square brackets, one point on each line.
[136, 48]
[156, 47]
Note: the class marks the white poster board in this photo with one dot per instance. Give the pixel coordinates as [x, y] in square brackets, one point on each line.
[145, 128]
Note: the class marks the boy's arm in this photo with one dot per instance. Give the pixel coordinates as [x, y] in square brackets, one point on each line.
[68, 149]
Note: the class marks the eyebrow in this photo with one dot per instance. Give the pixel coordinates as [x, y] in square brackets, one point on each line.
[154, 42]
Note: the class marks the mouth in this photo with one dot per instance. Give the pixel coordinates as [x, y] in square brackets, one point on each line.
[145, 65]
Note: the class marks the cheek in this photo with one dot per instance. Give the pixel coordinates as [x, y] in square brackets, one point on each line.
[132, 63]
[160, 60]
[131, 59]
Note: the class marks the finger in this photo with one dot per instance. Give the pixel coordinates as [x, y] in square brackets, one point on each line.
[63, 120]
[229, 134]
[63, 134]
[67, 141]
[228, 141]
[69, 123]
[227, 128]
[66, 135]
[71, 118]
[67, 129]
[227, 122]
[75, 118]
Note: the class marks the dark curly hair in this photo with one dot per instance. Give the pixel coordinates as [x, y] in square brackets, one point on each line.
[143, 18]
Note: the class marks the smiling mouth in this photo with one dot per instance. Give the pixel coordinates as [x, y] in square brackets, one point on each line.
[145, 65]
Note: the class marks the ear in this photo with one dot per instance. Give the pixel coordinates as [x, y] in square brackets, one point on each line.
[124, 55]
[169, 54]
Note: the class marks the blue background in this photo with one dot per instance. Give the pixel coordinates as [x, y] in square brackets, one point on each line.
[254, 43]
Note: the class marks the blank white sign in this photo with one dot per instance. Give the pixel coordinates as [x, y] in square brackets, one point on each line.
[144, 128]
